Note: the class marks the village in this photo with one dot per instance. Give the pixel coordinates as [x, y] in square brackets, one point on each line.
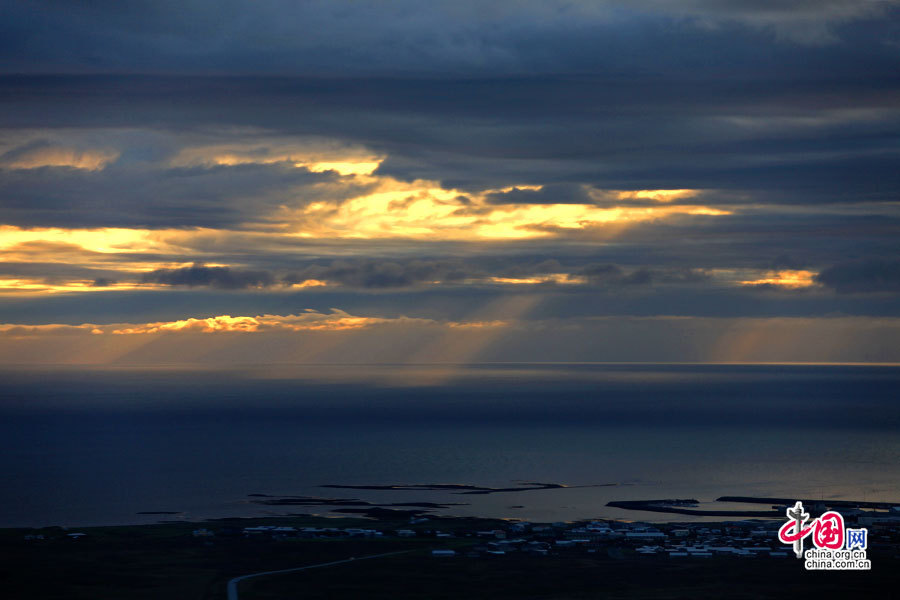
[746, 538]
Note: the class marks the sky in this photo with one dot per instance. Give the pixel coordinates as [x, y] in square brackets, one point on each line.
[219, 183]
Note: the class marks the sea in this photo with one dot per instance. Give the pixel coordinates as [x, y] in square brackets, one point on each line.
[82, 446]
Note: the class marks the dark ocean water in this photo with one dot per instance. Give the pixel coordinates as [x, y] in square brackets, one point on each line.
[82, 446]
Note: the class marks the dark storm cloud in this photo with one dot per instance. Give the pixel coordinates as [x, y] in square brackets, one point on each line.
[103, 282]
[862, 276]
[383, 274]
[804, 164]
[608, 274]
[55, 272]
[549, 194]
[152, 195]
[216, 277]
[756, 239]
[371, 274]
[191, 36]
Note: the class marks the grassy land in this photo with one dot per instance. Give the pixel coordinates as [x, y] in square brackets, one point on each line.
[555, 578]
[165, 561]
[161, 561]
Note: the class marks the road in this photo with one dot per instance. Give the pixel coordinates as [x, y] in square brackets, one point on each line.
[233, 583]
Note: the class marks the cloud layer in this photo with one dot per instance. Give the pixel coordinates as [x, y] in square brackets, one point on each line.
[281, 37]
[429, 164]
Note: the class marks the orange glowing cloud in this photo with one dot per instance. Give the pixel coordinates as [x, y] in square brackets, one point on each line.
[34, 285]
[105, 240]
[314, 154]
[336, 320]
[658, 195]
[11, 330]
[309, 321]
[790, 279]
[57, 156]
[424, 210]
[559, 278]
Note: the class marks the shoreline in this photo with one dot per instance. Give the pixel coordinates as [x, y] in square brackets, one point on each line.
[344, 508]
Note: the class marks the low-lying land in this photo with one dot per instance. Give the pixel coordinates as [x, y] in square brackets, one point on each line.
[480, 558]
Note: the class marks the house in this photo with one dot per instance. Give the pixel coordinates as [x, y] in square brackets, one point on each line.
[260, 530]
[644, 534]
[201, 533]
[353, 532]
[284, 530]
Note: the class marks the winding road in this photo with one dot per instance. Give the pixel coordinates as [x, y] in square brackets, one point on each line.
[233, 583]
